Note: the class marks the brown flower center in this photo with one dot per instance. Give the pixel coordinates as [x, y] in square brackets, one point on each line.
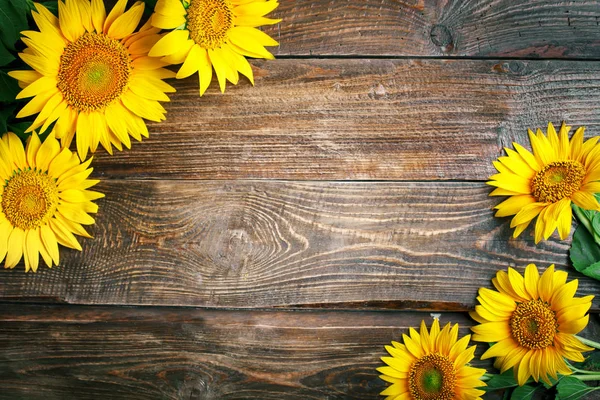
[208, 22]
[533, 324]
[29, 199]
[557, 180]
[432, 377]
[94, 71]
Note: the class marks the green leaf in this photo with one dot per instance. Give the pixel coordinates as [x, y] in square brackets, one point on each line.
[593, 271]
[19, 129]
[570, 388]
[502, 381]
[13, 20]
[7, 29]
[149, 8]
[6, 113]
[150, 4]
[6, 57]
[52, 6]
[592, 362]
[552, 381]
[584, 250]
[8, 87]
[588, 213]
[596, 222]
[585, 253]
[523, 392]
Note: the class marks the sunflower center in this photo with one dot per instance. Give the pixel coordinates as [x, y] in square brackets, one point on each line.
[208, 22]
[557, 180]
[533, 324]
[29, 199]
[94, 70]
[432, 377]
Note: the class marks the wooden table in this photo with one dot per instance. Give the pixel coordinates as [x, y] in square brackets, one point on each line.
[266, 243]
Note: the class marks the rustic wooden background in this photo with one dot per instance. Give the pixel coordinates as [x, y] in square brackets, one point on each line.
[268, 242]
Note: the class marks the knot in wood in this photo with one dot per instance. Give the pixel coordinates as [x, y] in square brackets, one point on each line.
[516, 67]
[440, 35]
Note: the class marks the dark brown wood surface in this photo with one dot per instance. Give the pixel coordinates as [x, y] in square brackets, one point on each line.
[361, 119]
[427, 245]
[58, 352]
[314, 217]
[197, 354]
[438, 28]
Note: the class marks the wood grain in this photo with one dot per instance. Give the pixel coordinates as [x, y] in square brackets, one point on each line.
[179, 228]
[57, 352]
[435, 28]
[366, 119]
[289, 244]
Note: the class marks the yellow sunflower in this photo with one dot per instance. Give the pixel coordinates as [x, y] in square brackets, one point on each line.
[432, 365]
[532, 320]
[92, 74]
[213, 34]
[43, 201]
[544, 184]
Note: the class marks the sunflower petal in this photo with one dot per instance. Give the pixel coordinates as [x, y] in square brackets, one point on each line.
[115, 13]
[31, 250]
[191, 63]
[70, 20]
[15, 248]
[204, 71]
[586, 201]
[171, 43]
[125, 24]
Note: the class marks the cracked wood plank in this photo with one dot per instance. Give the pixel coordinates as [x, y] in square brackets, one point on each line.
[361, 120]
[408, 245]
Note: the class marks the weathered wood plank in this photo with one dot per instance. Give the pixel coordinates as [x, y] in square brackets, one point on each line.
[475, 28]
[367, 119]
[57, 352]
[288, 244]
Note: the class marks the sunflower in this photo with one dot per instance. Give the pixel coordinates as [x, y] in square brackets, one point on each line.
[544, 184]
[92, 74]
[43, 201]
[532, 320]
[213, 34]
[432, 365]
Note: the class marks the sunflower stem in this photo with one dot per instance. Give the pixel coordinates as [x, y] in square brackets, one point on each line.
[584, 372]
[589, 342]
[583, 219]
[580, 371]
[594, 377]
